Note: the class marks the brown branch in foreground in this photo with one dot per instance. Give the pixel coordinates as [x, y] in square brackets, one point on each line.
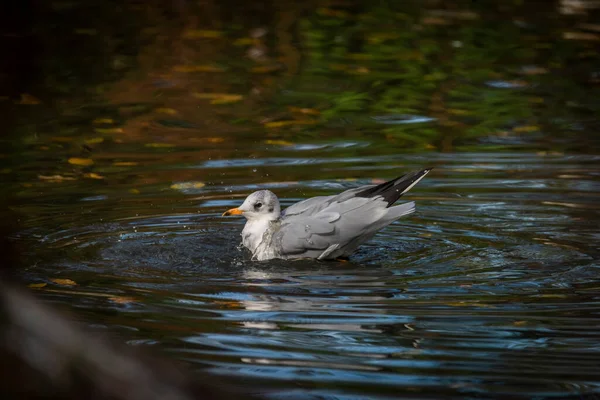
[45, 355]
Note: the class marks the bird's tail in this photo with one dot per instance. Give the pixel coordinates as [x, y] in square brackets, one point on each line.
[392, 190]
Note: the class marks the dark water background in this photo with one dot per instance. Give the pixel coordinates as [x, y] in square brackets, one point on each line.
[133, 125]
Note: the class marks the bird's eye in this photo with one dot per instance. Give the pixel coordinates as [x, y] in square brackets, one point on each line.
[257, 206]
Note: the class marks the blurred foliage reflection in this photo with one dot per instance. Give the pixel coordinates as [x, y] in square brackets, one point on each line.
[441, 75]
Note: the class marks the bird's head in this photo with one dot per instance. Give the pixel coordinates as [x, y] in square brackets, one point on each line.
[259, 205]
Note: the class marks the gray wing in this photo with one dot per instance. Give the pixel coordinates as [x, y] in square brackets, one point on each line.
[389, 192]
[315, 204]
[337, 229]
[306, 236]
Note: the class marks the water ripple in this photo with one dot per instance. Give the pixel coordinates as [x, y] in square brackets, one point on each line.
[492, 286]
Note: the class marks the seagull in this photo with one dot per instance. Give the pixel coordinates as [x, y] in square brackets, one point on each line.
[322, 227]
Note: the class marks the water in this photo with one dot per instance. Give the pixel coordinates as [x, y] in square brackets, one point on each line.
[491, 289]
[122, 160]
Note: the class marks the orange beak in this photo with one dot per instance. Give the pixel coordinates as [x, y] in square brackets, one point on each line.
[233, 211]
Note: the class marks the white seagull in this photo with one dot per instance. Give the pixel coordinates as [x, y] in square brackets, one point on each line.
[323, 227]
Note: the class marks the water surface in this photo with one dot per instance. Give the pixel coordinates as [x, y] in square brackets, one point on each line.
[491, 288]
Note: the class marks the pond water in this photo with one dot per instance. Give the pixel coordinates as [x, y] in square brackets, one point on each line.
[493, 286]
[490, 290]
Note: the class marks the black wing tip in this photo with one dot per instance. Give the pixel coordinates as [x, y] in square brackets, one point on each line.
[392, 190]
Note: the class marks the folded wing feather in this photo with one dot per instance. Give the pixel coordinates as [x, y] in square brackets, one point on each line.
[339, 223]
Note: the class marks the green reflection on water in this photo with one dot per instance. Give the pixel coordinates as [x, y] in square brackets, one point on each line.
[492, 75]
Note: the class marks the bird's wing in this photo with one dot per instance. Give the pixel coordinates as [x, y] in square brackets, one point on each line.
[389, 191]
[298, 234]
[313, 205]
[344, 225]
[306, 206]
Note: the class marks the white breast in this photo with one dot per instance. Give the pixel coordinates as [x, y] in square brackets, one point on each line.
[253, 232]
